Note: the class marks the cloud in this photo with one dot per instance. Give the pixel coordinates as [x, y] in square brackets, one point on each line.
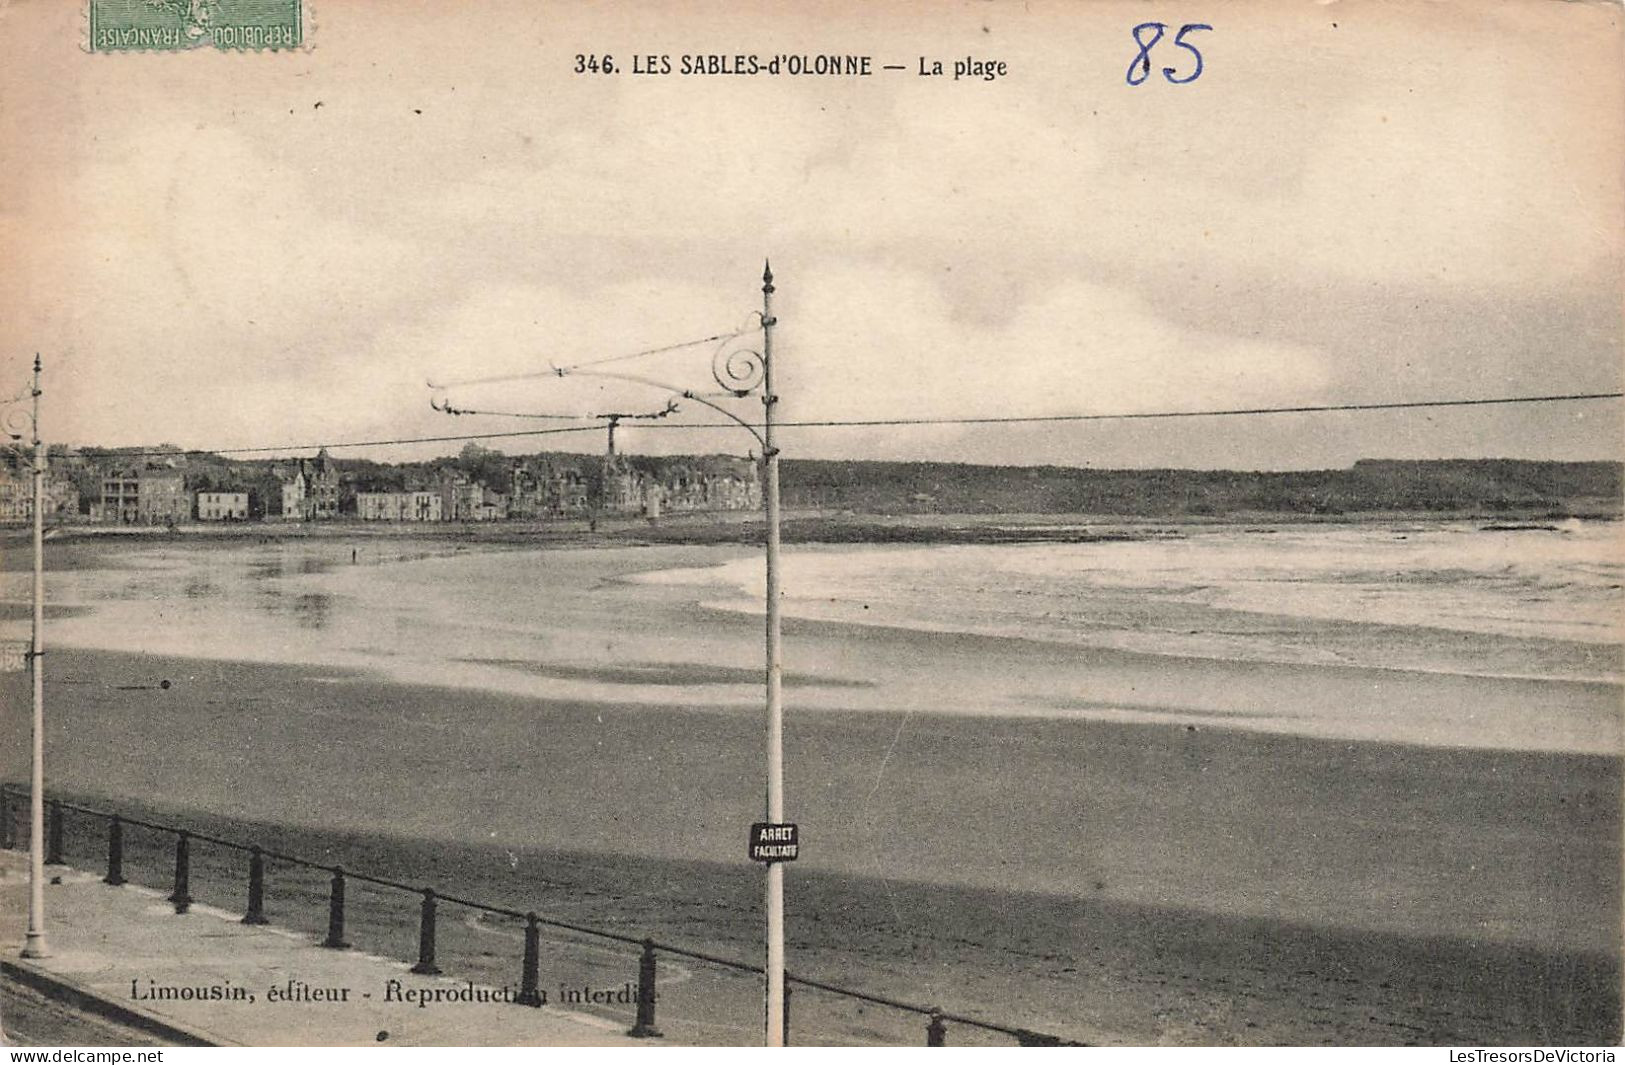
[868, 343]
[199, 268]
[199, 246]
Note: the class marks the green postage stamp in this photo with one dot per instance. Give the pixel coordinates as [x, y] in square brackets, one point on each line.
[178, 25]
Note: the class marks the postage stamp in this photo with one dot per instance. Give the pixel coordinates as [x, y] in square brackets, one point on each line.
[179, 25]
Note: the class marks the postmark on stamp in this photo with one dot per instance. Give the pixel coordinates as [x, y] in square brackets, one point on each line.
[179, 25]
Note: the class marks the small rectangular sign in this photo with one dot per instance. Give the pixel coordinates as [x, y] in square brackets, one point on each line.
[13, 656]
[773, 843]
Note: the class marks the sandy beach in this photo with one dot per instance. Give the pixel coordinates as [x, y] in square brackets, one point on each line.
[1492, 875]
[1114, 881]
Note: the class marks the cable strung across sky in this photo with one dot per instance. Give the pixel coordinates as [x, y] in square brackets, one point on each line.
[555, 371]
[1020, 419]
[1315, 408]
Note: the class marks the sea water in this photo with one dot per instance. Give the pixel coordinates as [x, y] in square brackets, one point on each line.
[1307, 629]
[1223, 592]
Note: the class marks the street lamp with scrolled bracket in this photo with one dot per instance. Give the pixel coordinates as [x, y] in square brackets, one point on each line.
[741, 372]
[24, 423]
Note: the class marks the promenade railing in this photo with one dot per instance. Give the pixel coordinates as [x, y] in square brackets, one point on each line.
[649, 950]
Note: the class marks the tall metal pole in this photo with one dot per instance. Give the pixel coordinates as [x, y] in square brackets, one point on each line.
[34, 943]
[775, 706]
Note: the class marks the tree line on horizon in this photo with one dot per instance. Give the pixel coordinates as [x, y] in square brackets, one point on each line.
[1554, 489]
[1551, 488]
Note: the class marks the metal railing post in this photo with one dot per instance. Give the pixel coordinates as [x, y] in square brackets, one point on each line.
[8, 823]
[426, 965]
[645, 1026]
[529, 974]
[182, 895]
[335, 912]
[936, 1032]
[53, 844]
[115, 852]
[256, 888]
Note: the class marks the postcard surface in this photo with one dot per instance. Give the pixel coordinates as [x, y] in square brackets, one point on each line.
[945, 523]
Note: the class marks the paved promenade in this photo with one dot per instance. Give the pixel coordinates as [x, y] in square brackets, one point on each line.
[115, 950]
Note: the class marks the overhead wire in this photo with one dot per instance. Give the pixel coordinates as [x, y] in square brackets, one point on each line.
[166, 452]
[555, 371]
[1316, 408]
[1017, 419]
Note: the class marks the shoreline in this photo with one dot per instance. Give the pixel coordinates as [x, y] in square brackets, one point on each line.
[859, 628]
[799, 526]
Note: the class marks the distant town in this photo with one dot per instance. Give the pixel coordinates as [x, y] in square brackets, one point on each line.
[167, 486]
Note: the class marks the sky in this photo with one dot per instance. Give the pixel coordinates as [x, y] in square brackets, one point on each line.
[1354, 202]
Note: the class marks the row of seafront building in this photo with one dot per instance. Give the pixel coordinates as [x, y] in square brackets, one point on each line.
[166, 492]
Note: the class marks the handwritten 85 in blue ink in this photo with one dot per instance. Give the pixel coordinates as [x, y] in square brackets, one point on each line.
[1140, 69]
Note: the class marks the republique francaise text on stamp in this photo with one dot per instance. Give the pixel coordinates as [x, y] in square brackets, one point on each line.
[178, 25]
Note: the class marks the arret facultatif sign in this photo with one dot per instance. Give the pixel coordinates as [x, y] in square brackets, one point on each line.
[773, 843]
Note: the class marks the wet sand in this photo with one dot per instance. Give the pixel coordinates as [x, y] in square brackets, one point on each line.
[582, 625]
[1105, 881]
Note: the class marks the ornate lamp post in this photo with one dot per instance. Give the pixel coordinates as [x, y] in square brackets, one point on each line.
[775, 700]
[741, 372]
[17, 422]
